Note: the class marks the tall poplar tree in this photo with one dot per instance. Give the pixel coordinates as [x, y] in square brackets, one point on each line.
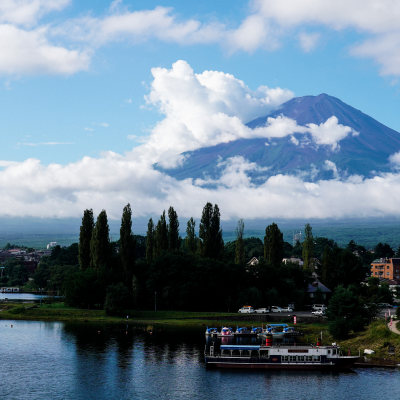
[161, 236]
[85, 236]
[100, 248]
[190, 241]
[239, 244]
[308, 247]
[205, 230]
[150, 241]
[127, 244]
[273, 245]
[173, 230]
[210, 232]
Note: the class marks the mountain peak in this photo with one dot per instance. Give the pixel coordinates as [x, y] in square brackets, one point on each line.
[364, 153]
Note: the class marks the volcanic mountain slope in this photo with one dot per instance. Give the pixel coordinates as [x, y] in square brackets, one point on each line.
[365, 151]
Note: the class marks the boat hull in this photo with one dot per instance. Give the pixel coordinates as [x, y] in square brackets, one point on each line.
[342, 363]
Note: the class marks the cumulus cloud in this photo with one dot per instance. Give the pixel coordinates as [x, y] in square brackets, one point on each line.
[203, 109]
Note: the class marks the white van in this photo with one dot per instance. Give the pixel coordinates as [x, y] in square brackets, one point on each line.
[246, 310]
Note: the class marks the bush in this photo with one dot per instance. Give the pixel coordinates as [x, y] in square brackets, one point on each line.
[118, 299]
[17, 310]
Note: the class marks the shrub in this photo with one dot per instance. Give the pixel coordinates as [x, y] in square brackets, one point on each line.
[118, 299]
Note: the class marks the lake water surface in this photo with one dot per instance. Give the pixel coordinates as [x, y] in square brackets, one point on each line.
[47, 360]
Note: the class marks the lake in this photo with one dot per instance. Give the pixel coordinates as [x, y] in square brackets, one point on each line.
[22, 296]
[51, 360]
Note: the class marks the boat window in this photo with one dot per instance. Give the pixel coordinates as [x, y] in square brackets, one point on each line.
[236, 352]
[300, 358]
[292, 358]
[329, 352]
[316, 358]
[285, 358]
[308, 358]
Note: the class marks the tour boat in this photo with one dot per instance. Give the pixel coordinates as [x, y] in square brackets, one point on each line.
[303, 357]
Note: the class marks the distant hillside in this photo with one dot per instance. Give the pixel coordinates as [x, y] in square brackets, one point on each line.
[366, 232]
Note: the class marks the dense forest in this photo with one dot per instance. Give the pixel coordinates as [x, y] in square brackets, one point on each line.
[199, 272]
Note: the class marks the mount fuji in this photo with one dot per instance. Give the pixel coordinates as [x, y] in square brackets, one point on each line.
[363, 146]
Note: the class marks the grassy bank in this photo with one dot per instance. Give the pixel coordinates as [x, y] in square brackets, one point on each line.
[376, 337]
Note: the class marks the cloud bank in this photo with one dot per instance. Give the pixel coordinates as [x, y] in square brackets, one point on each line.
[216, 108]
[67, 45]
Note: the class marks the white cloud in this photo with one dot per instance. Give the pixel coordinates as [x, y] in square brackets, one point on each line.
[28, 12]
[268, 25]
[331, 166]
[111, 181]
[32, 144]
[234, 173]
[378, 19]
[203, 109]
[384, 50]
[137, 26]
[394, 159]
[308, 41]
[330, 132]
[25, 45]
[29, 52]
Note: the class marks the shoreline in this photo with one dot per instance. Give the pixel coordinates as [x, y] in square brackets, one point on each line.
[378, 339]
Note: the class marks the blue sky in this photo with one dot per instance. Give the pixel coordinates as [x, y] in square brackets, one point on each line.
[77, 82]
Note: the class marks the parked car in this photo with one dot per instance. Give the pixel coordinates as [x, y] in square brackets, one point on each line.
[319, 313]
[318, 307]
[287, 309]
[261, 310]
[246, 310]
[276, 309]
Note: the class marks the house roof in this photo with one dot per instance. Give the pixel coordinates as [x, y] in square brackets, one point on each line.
[317, 285]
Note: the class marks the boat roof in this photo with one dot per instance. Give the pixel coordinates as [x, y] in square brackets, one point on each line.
[283, 325]
[239, 347]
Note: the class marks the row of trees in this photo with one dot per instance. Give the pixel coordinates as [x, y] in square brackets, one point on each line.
[164, 237]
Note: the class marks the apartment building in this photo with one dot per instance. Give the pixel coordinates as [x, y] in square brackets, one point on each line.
[386, 268]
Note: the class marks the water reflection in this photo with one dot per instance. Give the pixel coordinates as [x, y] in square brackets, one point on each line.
[84, 361]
